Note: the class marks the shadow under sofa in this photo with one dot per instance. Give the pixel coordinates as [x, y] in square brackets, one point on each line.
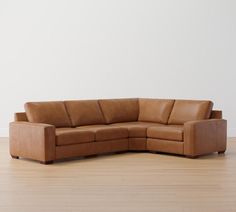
[48, 131]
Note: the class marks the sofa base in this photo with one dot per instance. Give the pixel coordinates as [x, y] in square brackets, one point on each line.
[93, 148]
[137, 144]
[47, 162]
[191, 157]
[167, 146]
[221, 152]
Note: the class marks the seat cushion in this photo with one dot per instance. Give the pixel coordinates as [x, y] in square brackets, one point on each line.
[120, 110]
[67, 136]
[190, 110]
[136, 129]
[48, 112]
[106, 132]
[84, 112]
[166, 132]
[155, 110]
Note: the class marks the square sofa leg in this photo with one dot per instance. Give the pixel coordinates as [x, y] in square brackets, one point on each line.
[221, 152]
[15, 157]
[47, 162]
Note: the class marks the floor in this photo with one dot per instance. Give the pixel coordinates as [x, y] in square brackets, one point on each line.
[121, 182]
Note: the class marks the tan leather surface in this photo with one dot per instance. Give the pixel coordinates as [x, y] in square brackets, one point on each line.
[119, 145]
[110, 146]
[53, 113]
[120, 110]
[94, 127]
[190, 110]
[138, 144]
[111, 133]
[136, 129]
[84, 112]
[106, 132]
[155, 110]
[21, 116]
[206, 136]
[216, 114]
[32, 140]
[167, 132]
[68, 136]
[75, 150]
[167, 146]
[92, 148]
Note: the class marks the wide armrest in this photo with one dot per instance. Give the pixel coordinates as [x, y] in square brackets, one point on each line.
[205, 136]
[32, 140]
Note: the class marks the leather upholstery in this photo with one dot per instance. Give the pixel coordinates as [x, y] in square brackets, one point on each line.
[155, 110]
[53, 113]
[106, 126]
[84, 112]
[216, 114]
[106, 132]
[168, 146]
[137, 144]
[120, 110]
[206, 136]
[166, 132]
[68, 136]
[85, 149]
[32, 140]
[136, 129]
[20, 117]
[111, 133]
[190, 110]
[74, 150]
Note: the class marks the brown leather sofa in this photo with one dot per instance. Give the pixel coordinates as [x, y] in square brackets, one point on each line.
[49, 131]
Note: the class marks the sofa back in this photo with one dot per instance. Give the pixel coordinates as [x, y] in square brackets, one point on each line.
[120, 110]
[155, 110]
[48, 112]
[84, 112]
[108, 111]
[190, 110]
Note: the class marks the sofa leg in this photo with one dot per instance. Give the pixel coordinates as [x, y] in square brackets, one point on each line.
[191, 157]
[15, 157]
[221, 152]
[46, 162]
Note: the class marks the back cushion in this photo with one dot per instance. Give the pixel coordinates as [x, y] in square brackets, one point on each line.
[119, 110]
[84, 112]
[155, 110]
[48, 112]
[190, 110]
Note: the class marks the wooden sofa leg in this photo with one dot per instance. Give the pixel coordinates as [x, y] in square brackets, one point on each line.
[221, 152]
[15, 157]
[191, 157]
[47, 162]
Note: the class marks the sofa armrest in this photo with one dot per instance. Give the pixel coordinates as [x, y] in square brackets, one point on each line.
[205, 136]
[32, 140]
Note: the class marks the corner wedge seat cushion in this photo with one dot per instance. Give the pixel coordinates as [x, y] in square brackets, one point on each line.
[136, 129]
[67, 136]
[84, 112]
[155, 110]
[166, 132]
[190, 110]
[106, 132]
[53, 113]
[119, 110]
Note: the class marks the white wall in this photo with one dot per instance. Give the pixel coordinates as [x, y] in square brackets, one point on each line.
[55, 50]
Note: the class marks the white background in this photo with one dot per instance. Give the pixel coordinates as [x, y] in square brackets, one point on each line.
[55, 50]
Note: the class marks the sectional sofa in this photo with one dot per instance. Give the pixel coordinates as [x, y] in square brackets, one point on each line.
[48, 131]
